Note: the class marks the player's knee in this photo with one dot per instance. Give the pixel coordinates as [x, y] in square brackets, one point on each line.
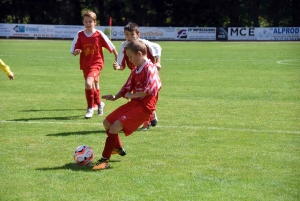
[89, 83]
[106, 124]
[88, 86]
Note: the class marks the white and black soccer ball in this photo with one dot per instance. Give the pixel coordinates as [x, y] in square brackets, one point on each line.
[83, 155]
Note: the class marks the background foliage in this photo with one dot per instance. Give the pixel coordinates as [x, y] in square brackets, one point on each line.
[156, 12]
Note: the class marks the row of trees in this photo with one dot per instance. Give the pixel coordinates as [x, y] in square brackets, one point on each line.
[155, 12]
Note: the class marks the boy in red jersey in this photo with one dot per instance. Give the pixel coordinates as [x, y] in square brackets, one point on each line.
[141, 87]
[89, 43]
[131, 32]
[5, 68]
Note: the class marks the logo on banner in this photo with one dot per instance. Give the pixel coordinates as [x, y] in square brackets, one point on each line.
[18, 28]
[242, 32]
[181, 33]
[264, 33]
[221, 33]
[286, 30]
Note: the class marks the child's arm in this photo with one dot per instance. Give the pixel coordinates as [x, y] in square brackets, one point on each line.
[129, 95]
[112, 97]
[157, 63]
[115, 53]
[5, 68]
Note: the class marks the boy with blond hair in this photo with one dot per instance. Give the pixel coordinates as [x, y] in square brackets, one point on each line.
[141, 88]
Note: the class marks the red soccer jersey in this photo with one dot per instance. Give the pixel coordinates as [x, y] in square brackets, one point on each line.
[153, 50]
[144, 79]
[91, 46]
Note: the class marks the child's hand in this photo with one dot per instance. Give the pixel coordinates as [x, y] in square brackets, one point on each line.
[11, 76]
[76, 52]
[116, 66]
[158, 66]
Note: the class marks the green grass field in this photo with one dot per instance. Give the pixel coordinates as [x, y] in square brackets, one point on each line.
[229, 125]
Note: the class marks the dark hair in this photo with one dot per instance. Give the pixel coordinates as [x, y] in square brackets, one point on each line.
[132, 27]
[136, 46]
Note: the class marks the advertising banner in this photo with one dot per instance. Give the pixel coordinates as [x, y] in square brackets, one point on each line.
[278, 33]
[32, 30]
[115, 32]
[270, 33]
[6, 30]
[196, 33]
[156, 33]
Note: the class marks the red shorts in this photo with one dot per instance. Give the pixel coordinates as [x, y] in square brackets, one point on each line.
[131, 115]
[92, 73]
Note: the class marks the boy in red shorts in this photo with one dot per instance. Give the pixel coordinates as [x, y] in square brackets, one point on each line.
[88, 43]
[132, 32]
[142, 89]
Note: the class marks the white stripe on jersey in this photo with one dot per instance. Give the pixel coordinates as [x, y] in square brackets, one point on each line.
[154, 48]
[74, 42]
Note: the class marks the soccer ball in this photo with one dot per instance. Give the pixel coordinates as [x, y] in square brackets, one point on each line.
[83, 155]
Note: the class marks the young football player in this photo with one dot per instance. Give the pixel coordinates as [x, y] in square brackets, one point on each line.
[89, 43]
[131, 32]
[141, 88]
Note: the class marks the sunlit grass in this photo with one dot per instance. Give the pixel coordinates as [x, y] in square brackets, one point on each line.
[228, 126]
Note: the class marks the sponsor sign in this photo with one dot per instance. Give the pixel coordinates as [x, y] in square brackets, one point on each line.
[156, 33]
[221, 34]
[202, 33]
[6, 30]
[271, 33]
[278, 33]
[151, 33]
[196, 33]
[241, 33]
[31, 30]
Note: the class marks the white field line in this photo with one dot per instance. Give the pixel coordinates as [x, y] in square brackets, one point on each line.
[175, 127]
[289, 62]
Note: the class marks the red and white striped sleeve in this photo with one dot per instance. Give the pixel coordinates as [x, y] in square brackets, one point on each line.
[153, 83]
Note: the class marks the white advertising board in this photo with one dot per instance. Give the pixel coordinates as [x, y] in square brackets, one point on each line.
[278, 33]
[115, 32]
[196, 33]
[259, 33]
[155, 33]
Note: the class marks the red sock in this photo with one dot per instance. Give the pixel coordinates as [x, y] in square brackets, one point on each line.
[89, 95]
[110, 144]
[119, 143]
[97, 97]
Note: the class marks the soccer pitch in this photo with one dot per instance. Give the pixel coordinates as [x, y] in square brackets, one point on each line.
[229, 125]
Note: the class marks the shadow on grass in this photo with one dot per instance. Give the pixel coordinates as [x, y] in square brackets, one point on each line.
[74, 167]
[49, 118]
[52, 110]
[77, 133]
